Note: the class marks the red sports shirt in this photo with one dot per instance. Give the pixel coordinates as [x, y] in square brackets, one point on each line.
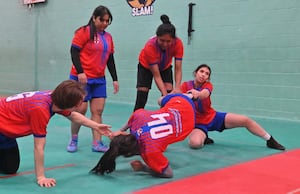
[152, 54]
[93, 53]
[155, 130]
[204, 111]
[26, 113]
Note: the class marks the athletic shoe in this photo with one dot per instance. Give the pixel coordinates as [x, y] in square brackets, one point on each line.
[272, 143]
[208, 141]
[99, 147]
[72, 147]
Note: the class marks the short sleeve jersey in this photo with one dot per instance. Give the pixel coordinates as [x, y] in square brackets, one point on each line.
[155, 130]
[152, 54]
[26, 113]
[94, 54]
[204, 111]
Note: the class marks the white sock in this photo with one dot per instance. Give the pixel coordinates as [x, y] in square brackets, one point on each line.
[267, 136]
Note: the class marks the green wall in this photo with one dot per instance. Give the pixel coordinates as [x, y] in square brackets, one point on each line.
[252, 46]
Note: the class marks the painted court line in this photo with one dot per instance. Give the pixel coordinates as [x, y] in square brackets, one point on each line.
[32, 171]
[296, 191]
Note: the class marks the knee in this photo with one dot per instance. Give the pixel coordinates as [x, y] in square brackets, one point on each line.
[196, 142]
[97, 112]
[96, 109]
[10, 167]
[143, 89]
[10, 171]
[196, 139]
[248, 122]
[10, 160]
[82, 108]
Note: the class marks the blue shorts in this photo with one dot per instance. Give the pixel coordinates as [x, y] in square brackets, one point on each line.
[217, 124]
[95, 88]
[7, 142]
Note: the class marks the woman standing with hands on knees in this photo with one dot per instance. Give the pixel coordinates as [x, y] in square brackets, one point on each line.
[91, 51]
[155, 61]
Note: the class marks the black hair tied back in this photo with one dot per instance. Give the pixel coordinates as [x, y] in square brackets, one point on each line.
[165, 19]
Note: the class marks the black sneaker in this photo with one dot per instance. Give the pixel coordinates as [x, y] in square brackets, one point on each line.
[208, 140]
[272, 143]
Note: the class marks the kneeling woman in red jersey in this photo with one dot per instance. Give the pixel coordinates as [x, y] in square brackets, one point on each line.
[28, 113]
[150, 134]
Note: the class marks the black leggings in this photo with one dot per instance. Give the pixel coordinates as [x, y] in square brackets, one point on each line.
[10, 160]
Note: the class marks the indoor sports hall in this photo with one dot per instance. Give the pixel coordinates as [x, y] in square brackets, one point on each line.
[252, 47]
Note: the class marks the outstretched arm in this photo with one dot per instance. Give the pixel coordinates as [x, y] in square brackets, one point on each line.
[103, 129]
[205, 93]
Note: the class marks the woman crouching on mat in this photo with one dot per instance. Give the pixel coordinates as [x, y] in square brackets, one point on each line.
[29, 113]
[150, 134]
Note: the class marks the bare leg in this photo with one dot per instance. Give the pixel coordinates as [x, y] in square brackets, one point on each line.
[74, 126]
[235, 120]
[196, 139]
[97, 107]
[72, 146]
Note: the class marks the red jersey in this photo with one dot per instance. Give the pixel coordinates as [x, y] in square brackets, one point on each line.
[155, 130]
[204, 111]
[93, 53]
[152, 54]
[26, 113]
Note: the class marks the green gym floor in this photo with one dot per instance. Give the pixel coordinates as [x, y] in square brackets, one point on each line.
[71, 170]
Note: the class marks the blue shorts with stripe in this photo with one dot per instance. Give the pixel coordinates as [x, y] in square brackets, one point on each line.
[95, 88]
[217, 124]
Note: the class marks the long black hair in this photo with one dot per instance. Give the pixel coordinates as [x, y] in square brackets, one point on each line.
[99, 11]
[122, 145]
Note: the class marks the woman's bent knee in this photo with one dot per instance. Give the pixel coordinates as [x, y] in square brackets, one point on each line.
[196, 139]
